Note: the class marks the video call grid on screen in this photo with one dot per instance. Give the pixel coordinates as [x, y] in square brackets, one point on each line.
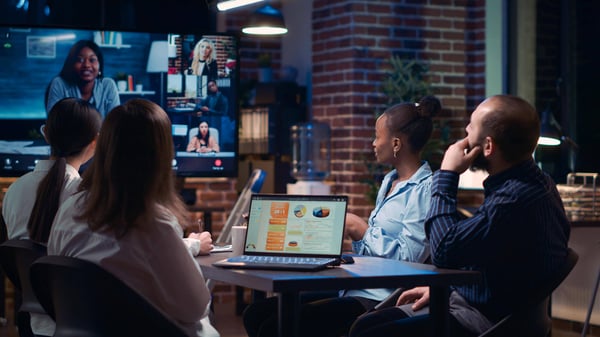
[33, 56]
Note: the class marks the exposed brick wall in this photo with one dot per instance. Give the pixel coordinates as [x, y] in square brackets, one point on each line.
[219, 193]
[352, 41]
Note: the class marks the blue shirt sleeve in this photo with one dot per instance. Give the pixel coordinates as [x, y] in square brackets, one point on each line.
[455, 240]
[57, 90]
[109, 95]
[396, 225]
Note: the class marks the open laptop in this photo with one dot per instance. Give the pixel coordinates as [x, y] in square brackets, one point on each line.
[292, 232]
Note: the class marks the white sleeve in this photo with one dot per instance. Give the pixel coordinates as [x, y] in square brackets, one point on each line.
[193, 245]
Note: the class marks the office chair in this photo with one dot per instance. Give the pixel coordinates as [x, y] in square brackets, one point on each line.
[3, 237]
[532, 319]
[212, 131]
[3, 229]
[16, 256]
[87, 301]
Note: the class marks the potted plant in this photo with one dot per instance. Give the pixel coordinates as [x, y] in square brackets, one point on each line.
[139, 85]
[406, 82]
[121, 79]
[265, 72]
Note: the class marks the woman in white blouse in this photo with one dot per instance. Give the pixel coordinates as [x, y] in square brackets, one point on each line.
[127, 216]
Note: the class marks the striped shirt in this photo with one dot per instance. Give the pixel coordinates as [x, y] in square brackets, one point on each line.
[517, 238]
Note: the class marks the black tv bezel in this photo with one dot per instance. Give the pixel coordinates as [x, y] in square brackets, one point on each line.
[235, 83]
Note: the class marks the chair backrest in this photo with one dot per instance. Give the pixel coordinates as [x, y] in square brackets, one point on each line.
[3, 229]
[86, 300]
[533, 319]
[16, 257]
[213, 132]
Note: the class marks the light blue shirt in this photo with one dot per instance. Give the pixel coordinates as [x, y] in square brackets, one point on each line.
[397, 224]
[105, 95]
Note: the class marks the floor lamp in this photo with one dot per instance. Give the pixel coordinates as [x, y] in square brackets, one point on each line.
[158, 62]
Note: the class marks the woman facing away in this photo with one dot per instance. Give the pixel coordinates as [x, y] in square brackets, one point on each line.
[81, 76]
[203, 142]
[395, 229]
[32, 201]
[204, 61]
[126, 217]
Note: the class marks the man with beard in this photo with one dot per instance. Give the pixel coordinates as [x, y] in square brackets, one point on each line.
[517, 238]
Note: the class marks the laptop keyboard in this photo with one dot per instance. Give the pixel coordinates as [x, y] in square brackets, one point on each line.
[280, 260]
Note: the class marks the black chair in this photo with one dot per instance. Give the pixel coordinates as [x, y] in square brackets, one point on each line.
[533, 319]
[16, 256]
[3, 237]
[87, 301]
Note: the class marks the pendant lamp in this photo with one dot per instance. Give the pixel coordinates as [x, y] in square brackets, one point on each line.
[265, 21]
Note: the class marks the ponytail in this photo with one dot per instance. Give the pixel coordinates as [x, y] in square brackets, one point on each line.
[47, 202]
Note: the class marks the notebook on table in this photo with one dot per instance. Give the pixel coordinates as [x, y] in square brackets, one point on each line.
[292, 232]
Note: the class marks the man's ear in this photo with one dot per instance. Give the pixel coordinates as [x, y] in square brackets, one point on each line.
[489, 147]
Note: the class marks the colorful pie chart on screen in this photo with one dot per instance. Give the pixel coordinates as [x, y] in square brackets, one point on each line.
[321, 212]
[300, 211]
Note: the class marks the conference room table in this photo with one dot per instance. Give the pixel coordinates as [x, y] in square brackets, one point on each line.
[365, 272]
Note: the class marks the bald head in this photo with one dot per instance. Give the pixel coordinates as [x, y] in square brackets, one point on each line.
[513, 124]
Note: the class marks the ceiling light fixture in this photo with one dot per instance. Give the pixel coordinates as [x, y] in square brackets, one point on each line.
[231, 4]
[266, 21]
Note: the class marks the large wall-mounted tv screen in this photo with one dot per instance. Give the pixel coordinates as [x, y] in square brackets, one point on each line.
[194, 77]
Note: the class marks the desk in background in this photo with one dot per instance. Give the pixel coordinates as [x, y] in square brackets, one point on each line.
[366, 272]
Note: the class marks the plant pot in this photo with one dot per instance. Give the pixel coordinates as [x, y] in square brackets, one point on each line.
[122, 85]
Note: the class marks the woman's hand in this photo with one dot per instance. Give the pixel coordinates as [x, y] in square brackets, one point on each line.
[205, 241]
[419, 296]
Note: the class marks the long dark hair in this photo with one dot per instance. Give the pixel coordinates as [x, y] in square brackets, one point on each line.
[414, 120]
[131, 174]
[199, 135]
[67, 72]
[71, 126]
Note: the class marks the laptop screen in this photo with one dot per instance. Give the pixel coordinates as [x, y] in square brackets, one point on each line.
[301, 225]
